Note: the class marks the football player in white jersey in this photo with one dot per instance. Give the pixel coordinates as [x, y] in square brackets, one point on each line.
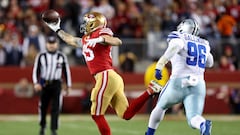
[189, 55]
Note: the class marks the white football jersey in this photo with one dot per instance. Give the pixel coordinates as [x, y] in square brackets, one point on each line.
[191, 58]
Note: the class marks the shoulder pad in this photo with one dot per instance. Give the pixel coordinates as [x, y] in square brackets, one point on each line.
[106, 31]
[173, 35]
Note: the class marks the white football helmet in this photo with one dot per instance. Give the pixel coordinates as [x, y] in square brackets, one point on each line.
[189, 26]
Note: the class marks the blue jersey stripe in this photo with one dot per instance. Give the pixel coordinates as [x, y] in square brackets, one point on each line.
[172, 36]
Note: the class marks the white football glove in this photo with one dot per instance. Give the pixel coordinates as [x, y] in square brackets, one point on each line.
[54, 26]
[94, 41]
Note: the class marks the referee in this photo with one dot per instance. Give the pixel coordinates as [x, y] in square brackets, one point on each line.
[49, 69]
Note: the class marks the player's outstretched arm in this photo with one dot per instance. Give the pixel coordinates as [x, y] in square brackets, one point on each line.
[105, 39]
[114, 41]
[69, 39]
[66, 37]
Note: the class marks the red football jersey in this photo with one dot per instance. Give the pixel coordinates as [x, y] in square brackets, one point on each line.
[98, 58]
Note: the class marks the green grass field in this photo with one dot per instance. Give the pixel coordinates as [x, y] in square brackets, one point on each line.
[84, 125]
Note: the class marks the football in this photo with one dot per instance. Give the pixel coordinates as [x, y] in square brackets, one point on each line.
[50, 16]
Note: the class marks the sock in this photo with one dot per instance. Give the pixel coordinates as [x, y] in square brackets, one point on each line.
[156, 117]
[196, 121]
[135, 106]
[102, 124]
[150, 131]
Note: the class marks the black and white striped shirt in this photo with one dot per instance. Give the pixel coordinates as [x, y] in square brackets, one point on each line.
[51, 66]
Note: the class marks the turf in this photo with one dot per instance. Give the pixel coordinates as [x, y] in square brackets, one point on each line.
[83, 125]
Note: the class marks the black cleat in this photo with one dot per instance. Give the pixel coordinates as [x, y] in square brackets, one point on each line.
[42, 131]
[54, 132]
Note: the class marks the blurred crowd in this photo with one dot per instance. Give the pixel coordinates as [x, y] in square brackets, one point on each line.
[22, 33]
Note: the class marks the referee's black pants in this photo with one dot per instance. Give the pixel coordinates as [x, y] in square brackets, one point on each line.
[50, 94]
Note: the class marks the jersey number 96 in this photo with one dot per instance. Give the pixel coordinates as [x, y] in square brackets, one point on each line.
[196, 55]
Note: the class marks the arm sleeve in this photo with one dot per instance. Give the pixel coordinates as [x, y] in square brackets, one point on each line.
[36, 69]
[174, 46]
[67, 73]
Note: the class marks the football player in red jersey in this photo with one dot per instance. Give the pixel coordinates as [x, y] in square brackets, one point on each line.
[96, 46]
